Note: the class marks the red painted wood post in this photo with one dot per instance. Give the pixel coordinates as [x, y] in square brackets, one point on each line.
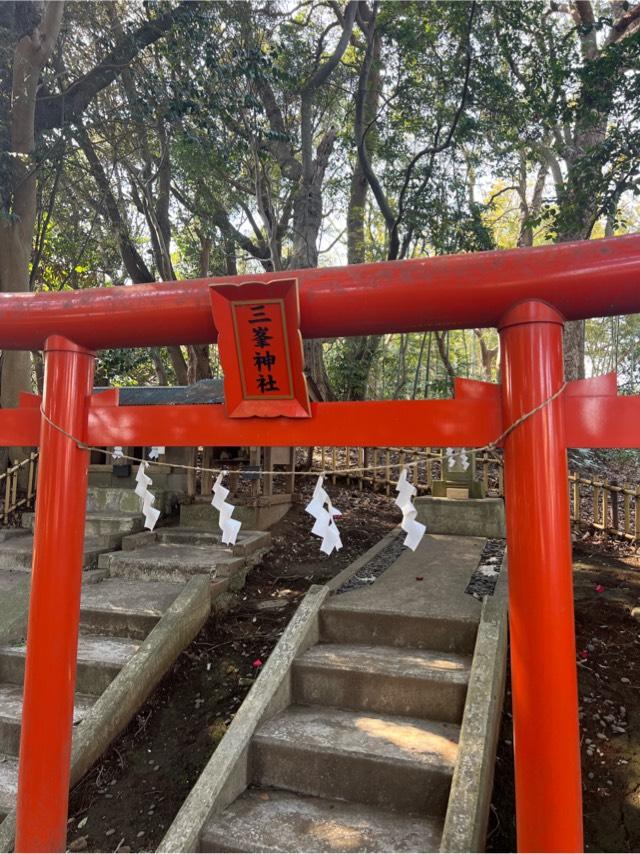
[54, 611]
[543, 654]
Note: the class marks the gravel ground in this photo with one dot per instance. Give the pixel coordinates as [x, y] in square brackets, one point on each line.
[374, 568]
[485, 575]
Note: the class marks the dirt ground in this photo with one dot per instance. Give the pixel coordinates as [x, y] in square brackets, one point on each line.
[129, 798]
[607, 588]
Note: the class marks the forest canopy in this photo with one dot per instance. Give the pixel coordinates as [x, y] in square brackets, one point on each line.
[151, 141]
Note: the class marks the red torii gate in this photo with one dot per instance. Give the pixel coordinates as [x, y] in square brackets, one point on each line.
[527, 294]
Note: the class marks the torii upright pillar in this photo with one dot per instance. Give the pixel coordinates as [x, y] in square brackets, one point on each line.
[541, 621]
[52, 636]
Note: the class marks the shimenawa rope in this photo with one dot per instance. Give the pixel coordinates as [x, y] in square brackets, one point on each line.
[349, 470]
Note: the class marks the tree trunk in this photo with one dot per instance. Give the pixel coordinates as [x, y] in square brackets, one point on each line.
[360, 352]
[158, 364]
[307, 218]
[18, 86]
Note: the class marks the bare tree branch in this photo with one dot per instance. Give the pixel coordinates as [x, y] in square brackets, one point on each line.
[57, 110]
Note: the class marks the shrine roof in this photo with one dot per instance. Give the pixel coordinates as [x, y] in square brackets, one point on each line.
[204, 391]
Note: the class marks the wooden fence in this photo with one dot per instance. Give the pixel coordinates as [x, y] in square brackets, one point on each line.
[425, 465]
[18, 491]
[608, 507]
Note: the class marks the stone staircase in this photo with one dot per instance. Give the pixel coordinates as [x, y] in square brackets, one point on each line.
[363, 758]
[115, 617]
[121, 603]
[111, 515]
[176, 554]
[364, 720]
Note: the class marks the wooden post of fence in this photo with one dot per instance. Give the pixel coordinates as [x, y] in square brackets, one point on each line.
[7, 495]
[427, 465]
[333, 464]
[14, 484]
[360, 466]
[636, 533]
[322, 466]
[577, 511]
[604, 500]
[387, 471]
[627, 511]
[206, 477]
[615, 520]
[267, 463]
[31, 478]
[596, 504]
[485, 473]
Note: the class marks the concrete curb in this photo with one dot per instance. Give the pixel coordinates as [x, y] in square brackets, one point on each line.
[14, 609]
[467, 815]
[227, 774]
[113, 710]
[337, 582]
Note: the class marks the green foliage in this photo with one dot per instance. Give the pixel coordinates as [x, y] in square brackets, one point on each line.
[475, 102]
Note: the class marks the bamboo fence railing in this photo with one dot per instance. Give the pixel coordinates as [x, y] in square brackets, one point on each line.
[596, 504]
[18, 487]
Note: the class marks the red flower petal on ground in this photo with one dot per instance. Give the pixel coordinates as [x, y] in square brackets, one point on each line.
[257, 663]
[599, 588]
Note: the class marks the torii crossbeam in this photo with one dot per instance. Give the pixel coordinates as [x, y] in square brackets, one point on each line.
[527, 294]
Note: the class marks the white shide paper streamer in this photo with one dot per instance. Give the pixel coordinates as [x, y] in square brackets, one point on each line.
[463, 459]
[415, 530]
[229, 527]
[143, 482]
[155, 452]
[118, 453]
[325, 525]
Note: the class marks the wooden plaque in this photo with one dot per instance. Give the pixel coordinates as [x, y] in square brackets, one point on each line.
[261, 349]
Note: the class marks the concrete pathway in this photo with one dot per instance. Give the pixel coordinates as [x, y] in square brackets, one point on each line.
[362, 757]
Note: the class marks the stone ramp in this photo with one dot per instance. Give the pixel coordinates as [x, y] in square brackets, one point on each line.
[351, 737]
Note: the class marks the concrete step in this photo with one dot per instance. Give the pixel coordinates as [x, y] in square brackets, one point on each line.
[16, 553]
[413, 682]
[390, 761]
[124, 608]
[346, 624]
[11, 715]
[11, 534]
[171, 563]
[273, 820]
[101, 523]
[100, 659]
[8, 783]
[248, 542]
